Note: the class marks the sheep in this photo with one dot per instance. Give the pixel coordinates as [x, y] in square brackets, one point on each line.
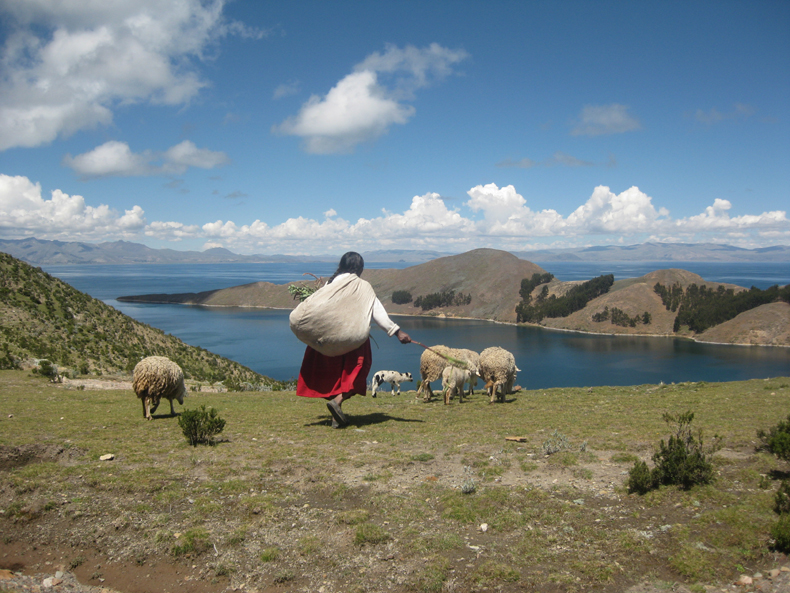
[453, 379]
[472, 360]
[394, 378]
[433, 362]
[498, 369]
[157, 377]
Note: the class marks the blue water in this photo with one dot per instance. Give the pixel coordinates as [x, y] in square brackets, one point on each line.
[262, 340]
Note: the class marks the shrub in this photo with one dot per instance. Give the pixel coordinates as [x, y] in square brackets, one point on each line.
[777, 439]
[682, 461]
[401, 297]
[201, 425]
[782, 498]
[780, 531]
[640, 479]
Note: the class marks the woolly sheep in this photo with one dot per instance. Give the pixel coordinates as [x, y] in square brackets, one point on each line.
[157, 377]
[432, 365]
[472, 360]
[453, 379]
[394, 378]
[498, 369]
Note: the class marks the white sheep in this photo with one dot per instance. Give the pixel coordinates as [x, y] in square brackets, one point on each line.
[472, 360]
[453, 379]
[498, 369]
[157, 377]
[394, 378]
[431, 367]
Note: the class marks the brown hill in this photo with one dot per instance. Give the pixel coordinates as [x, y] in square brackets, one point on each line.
[491, 277]
[635, 296]
[766, 325]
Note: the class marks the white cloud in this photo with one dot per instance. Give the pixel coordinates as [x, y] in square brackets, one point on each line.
[23, 212]
[493, 216]
[599, 120]
[115, 159]
[360, 108]
[66, 65]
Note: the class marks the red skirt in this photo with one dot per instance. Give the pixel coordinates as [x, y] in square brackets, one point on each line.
[327, 376]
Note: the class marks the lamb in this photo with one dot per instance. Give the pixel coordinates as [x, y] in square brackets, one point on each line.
[453, 379]
[432, 365]
[472, 360]
[157, 377]
[394, 378]
[498, 369]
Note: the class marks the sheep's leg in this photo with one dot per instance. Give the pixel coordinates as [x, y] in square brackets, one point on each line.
[461, 394]
[147, 406]
[145, 409]
[172, 410]
[447, 396]
[156, 405]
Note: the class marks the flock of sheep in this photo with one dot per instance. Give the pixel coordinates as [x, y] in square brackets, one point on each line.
[157, 377]
[456, 367]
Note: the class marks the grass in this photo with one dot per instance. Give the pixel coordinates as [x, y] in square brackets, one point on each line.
[283, 497]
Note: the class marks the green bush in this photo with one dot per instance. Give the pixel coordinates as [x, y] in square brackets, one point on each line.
[682, 461]
[782, 498]
[401, 297]
[640, 479]
[780, 531]
[201, 426]
[777, 439]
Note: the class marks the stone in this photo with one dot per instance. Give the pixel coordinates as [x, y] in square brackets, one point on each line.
[744, 580]
[107, 457]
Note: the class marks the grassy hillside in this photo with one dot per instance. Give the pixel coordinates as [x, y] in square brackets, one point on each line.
[42, 317]
[410, 498]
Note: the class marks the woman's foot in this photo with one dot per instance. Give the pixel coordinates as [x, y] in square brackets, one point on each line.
[337, 414]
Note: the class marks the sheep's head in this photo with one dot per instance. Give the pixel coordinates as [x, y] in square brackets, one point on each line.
[181, 393]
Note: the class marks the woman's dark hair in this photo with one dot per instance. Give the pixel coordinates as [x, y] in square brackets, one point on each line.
[351, 263]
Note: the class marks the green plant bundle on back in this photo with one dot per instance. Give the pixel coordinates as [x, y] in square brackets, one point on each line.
[200, 426]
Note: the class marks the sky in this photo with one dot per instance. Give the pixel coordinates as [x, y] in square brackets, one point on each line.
[314, 127]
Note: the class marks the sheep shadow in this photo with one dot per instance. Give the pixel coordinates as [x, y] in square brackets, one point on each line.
[163, 416]
[360, 420]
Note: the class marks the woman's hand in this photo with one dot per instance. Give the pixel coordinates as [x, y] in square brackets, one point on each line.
[403, 337]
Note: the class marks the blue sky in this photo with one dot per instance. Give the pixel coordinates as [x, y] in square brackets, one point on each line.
[318, 127]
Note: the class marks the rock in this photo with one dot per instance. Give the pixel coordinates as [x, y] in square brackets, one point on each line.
[484, 527]
[107, 457]
[744, 580]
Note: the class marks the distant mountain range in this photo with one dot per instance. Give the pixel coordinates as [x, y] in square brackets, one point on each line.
[40, 252]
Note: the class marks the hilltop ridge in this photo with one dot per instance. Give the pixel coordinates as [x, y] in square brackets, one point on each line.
[490, 281]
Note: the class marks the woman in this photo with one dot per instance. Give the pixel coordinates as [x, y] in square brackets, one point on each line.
[337, 378]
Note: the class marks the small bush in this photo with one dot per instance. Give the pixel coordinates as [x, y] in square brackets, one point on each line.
[640, 479]
[780, 531]
[777, 439]
[200, 426]
[401, 297]
[782, 498]
[370, 533]
[682, 461]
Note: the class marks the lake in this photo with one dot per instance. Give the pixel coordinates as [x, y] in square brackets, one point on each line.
[261, 339]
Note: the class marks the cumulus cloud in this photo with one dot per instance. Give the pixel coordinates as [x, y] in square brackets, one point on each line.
[116, 159]
[66, 65]
[493, 216]
[24, 212]
[361, 107]
[599, 120]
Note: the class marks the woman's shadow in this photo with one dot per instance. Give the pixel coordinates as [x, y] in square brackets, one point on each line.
[359, 420]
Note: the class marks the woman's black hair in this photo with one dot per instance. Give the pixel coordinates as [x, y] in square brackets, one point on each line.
[351, 263]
